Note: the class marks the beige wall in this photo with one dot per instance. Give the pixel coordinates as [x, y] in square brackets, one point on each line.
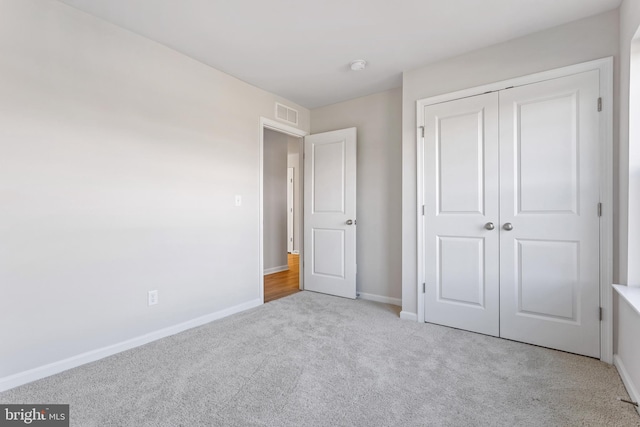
[120, 162]
[377, 118]
[576, 42]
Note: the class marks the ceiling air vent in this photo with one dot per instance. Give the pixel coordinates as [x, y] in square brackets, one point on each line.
[286, 114]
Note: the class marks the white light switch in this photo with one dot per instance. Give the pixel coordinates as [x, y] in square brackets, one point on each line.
[238, 200]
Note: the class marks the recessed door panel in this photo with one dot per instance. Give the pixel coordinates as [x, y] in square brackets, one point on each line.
[548, 274]
[461, 285]
[328, 251]
[328, 177]
[547, 154]
[460, 141]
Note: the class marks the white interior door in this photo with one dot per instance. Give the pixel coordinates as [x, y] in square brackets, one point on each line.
[290, 212]
[461, 207]
[549, 195]
[330, 213]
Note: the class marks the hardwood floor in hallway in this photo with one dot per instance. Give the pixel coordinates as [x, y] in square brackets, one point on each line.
[284, 283]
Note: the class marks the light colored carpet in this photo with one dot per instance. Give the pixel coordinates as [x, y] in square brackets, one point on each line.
[316, 360]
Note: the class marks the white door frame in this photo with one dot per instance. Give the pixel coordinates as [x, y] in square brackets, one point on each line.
[266, 123]
[605, 66]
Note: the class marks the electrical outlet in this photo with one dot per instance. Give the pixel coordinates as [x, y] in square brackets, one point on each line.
[153, 297]
[238, 200]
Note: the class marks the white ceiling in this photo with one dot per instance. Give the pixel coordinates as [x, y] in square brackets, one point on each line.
[301, 49]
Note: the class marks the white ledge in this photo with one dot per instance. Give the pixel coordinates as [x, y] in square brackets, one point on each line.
[631, 294]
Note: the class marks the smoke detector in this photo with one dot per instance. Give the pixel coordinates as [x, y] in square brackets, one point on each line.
[358, 65]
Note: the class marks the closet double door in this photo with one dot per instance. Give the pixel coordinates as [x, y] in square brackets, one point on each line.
[511, 223]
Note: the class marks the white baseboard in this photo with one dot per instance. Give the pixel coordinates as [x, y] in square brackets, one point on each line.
[380, 298]
[275, 269]
[295, 252]
[626, 380]
[405, 315]
[40, 372]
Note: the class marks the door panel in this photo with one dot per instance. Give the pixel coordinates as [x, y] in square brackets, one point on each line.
[547, 172]
[460, 163]
[330, 203]
[328, 176]
[549, 193]
[559, 278]
[328, 253]
[461, 285]
[461, 197]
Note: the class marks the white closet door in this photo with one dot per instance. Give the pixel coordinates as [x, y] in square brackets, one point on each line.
[461, 206]
[549, 281]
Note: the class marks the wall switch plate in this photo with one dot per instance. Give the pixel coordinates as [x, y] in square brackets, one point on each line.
[153, 297]
[238, 200]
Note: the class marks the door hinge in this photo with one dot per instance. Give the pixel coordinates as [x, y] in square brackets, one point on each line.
[424, 288]
[422, 129]
[599, 209]
[600, 313]
[600, 104]
[422, 210]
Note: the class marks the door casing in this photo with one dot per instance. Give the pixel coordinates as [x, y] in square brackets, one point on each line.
[605, 68]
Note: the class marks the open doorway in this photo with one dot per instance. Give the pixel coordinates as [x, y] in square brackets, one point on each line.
[281, 211]
[326, 237]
